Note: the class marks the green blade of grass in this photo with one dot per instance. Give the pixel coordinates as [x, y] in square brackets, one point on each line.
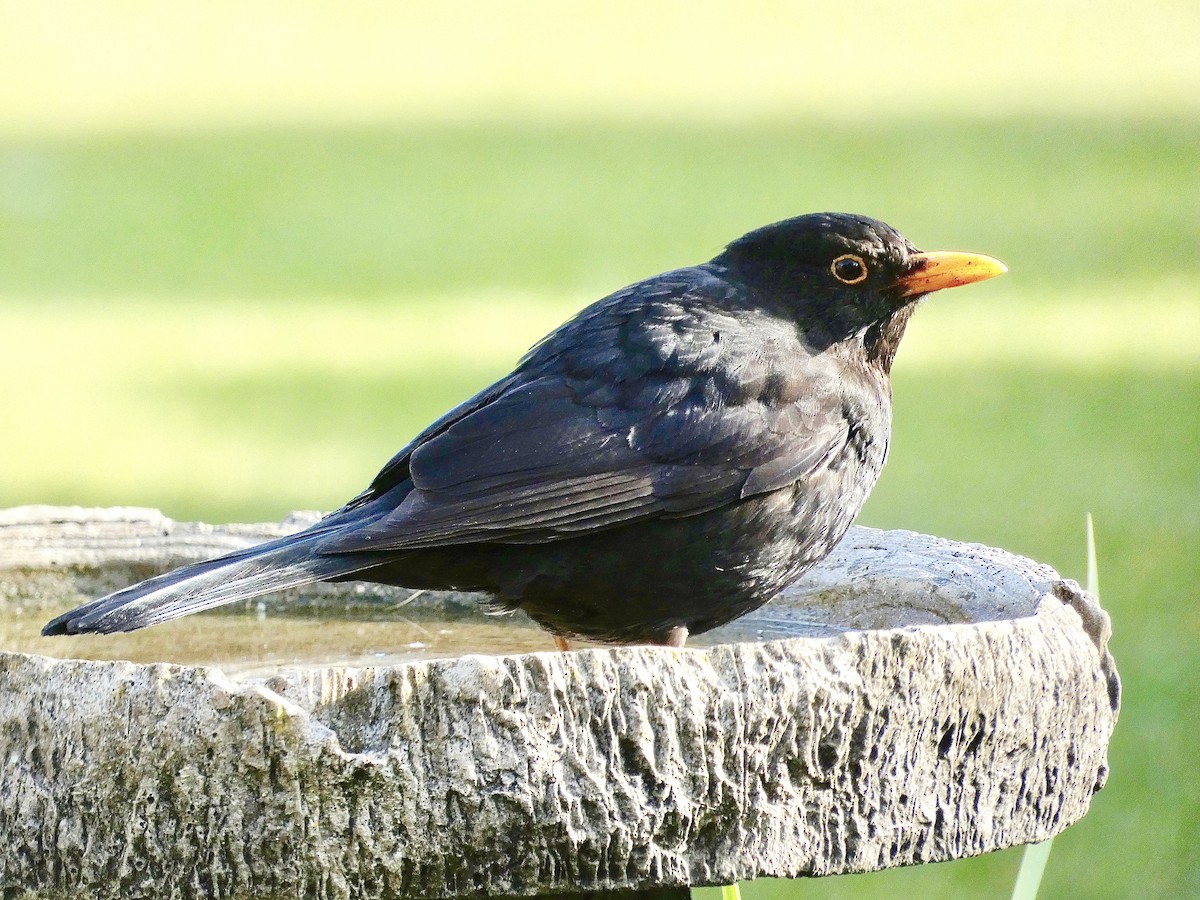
[1093, 575]
[1033, 862]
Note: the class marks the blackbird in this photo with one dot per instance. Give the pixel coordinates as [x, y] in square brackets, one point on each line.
[664, 462]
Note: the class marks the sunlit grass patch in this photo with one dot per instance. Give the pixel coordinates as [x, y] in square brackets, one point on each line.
[257, 405]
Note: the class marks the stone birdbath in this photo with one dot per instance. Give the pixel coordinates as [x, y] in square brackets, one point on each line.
[911, 700]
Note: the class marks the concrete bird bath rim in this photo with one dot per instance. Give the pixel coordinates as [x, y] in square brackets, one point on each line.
[910, 700]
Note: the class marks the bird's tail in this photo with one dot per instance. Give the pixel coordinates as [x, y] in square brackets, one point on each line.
[274, 566]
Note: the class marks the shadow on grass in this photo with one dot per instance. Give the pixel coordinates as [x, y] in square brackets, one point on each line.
[372, 211]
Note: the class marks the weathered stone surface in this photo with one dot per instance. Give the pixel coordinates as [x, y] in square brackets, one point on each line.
[593, 770]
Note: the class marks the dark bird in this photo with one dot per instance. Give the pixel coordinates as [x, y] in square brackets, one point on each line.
[664, 462]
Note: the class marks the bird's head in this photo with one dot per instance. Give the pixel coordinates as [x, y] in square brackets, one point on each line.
[845, 278]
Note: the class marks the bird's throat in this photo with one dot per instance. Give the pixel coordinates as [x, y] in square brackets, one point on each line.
[882, 339]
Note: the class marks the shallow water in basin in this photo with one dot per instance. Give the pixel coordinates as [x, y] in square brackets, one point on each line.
[249, 640]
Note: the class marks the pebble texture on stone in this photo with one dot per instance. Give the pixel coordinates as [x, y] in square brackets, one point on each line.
[601, 769]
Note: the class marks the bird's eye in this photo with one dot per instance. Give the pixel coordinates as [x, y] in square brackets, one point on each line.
[849, 269]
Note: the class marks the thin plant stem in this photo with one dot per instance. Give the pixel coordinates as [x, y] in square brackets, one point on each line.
[1033, 862]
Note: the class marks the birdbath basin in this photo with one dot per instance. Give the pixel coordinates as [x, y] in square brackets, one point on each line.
[910, 700]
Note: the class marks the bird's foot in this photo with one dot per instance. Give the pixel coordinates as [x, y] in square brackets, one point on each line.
[676, 637]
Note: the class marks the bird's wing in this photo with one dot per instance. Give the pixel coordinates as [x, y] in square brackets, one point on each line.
[395, 474]
[647, 407]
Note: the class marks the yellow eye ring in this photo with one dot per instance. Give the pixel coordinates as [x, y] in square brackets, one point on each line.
[849, 269]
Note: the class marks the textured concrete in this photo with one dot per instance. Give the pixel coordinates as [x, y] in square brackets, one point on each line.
[594, 770]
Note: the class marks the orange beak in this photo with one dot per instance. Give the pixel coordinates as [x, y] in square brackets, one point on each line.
[928, 272]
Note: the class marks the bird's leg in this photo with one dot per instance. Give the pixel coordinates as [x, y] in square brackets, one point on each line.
[676, 637]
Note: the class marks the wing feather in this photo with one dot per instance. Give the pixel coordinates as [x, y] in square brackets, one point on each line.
[629, 412]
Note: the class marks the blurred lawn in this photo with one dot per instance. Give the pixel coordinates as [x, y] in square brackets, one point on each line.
[230, 321]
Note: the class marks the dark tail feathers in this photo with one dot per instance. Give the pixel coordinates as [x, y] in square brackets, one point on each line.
[276, 565]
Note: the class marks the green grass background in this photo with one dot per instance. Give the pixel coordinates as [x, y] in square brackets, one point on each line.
[230, 288]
